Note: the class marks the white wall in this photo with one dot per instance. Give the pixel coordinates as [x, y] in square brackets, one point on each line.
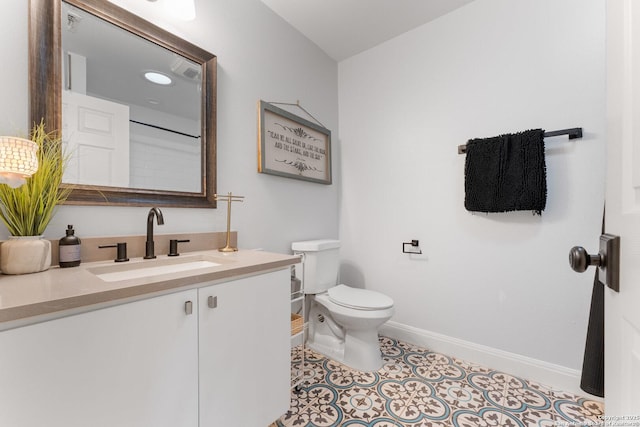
[259, 57]
[13, 95]
[491, 67]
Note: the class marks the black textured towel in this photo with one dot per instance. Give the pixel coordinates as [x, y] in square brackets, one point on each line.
[506, 173]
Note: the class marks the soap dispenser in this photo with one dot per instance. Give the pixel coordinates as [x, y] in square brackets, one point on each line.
[69, 249]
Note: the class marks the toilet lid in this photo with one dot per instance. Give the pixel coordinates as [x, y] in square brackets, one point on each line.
[362, 299]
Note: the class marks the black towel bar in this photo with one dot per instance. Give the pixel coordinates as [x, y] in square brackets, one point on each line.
[573, 134]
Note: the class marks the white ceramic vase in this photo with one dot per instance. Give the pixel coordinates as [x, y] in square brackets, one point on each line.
[25, 254]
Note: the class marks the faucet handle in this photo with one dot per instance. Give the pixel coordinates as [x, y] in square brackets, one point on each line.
[173, 246]
[122, 251]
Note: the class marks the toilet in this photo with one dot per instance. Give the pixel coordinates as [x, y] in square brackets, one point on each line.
[343, 321]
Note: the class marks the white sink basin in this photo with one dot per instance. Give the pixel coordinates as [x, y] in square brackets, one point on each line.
[155, 267]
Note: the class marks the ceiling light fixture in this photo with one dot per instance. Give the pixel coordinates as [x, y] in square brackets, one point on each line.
[182, 9]
[158, 78]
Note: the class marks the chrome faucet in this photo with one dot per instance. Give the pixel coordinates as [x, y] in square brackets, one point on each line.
[149, 249]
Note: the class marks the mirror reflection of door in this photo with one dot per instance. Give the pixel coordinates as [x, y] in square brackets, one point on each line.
[120, 128]
[96, 135]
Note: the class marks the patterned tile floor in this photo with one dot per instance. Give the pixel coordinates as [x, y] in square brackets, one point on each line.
[420, 388]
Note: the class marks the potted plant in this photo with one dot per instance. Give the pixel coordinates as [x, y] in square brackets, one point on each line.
[28, 209]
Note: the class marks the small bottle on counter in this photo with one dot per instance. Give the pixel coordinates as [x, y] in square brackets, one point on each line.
[69, 249]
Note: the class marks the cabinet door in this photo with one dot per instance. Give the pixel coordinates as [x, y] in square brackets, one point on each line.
[244, 351]
[130, 365]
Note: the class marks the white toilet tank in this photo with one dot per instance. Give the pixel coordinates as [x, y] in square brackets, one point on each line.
[321, 263]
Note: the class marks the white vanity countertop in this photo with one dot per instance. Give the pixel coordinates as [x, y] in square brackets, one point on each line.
[58, 292]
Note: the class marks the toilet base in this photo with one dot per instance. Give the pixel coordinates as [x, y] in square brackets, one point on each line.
[347, 336]
[360, 351]
[331, 353]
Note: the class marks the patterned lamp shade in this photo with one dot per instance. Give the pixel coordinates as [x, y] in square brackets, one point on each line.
[18, 160]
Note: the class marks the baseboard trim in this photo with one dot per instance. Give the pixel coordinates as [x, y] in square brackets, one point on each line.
[555, 376]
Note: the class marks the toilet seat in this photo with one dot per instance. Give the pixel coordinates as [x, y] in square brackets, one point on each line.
[359, 299]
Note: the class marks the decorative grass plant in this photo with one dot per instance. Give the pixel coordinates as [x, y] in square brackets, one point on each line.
[27, 210]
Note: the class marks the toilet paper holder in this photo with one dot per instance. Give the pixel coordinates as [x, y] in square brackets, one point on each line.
[413, 244]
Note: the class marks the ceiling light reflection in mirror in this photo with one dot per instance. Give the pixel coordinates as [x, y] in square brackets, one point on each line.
[158, 78]
[121, 129]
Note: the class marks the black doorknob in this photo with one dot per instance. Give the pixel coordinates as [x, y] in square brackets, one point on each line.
[607, 260]
[580, 260]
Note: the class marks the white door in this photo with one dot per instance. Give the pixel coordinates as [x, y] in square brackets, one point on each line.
[622, 310]
[95, 134]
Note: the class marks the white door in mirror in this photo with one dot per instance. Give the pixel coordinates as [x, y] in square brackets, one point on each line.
[96, 136]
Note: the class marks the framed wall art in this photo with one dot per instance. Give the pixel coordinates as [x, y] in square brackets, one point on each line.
[291, 146]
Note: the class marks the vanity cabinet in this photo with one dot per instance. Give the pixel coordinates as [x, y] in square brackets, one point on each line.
[131, 365]
[244, 351]
[181, 359]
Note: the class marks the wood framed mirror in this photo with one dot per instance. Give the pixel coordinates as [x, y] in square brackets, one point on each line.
[50, 77]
